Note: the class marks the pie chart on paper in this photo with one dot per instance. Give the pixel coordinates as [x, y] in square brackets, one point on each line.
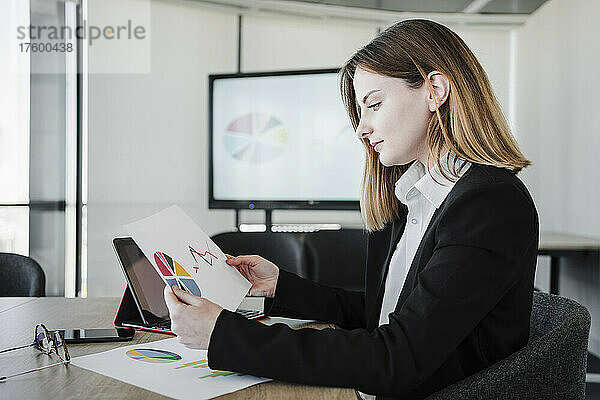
[153, 355]
[255, 138]
[173, 272]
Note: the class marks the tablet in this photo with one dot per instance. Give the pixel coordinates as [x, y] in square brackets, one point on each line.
[145, 283]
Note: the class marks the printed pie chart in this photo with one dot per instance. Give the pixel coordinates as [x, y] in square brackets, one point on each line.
[255, 138]
[153, 355]
[172, 272]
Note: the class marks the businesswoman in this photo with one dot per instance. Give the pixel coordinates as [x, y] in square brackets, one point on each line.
[453, 237]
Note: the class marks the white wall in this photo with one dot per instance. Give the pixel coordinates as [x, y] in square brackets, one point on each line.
[492, 49]
[558, 59]
[148, 132]
[293, 43]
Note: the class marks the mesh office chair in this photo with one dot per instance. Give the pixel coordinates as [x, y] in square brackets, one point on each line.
[551, 367]
[283, 249]
[337, 258]
[21, 276]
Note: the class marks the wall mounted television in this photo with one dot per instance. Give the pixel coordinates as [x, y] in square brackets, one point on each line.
[282, 140]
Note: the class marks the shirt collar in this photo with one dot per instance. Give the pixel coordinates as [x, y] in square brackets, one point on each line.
[407, 181]
[433, 186]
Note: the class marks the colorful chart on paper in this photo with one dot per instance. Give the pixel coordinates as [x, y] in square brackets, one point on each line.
[204, 364]
[255, 138]
[185, 256]
[166, 367]
[206, 255]
[163, 356]
[173, 272]
[153, 355]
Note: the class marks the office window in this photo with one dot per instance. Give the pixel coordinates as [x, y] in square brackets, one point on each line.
[14, 131]
[14, 229]
[38, 143]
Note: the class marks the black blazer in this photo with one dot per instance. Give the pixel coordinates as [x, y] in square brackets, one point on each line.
[465, 304]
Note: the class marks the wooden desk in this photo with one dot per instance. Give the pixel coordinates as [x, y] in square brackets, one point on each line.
[557, 245]
[18, 317]
[6, 303]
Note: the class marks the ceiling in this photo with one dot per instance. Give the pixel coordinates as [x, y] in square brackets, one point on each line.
[439, 6]
[499, 13]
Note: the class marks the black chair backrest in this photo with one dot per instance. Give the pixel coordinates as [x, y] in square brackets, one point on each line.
[21, 276]
[283, 249]
[337, 258]
[551, 366]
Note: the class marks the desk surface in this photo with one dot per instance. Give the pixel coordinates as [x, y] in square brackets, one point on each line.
[6, 303]
[18, 317]
[561, 241]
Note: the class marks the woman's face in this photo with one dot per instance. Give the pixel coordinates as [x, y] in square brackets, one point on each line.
[394, 117]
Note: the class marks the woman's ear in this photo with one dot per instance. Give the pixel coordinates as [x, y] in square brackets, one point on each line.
[441, 89]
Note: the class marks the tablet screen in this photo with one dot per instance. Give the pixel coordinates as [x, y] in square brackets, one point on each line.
[146, 284]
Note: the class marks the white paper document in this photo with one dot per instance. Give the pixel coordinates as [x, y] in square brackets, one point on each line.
[184, 255]
[168, 368]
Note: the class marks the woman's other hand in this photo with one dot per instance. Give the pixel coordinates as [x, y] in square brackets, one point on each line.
[193, 318]
[261, 273]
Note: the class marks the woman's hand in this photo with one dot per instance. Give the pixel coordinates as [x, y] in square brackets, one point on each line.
[261, 273]
[193, 318]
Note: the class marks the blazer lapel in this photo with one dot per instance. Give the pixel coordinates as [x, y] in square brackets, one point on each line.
[397, 230]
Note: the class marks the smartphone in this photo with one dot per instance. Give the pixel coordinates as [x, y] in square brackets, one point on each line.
[97, 335]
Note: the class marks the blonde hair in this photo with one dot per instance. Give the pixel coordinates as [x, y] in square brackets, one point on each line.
[470, 123]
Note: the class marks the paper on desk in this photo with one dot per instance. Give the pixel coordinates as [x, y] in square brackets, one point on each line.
[168, 368]
[181, 252]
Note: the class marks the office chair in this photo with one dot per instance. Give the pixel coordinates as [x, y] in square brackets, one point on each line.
[551, 367]
[283, 249]
[337, 258]
[21, 276]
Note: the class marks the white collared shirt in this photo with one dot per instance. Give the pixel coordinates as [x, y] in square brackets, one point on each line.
[422, 195]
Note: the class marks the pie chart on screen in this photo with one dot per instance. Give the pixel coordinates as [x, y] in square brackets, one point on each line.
[255, 138]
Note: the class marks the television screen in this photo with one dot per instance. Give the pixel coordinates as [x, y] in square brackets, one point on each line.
[282, 140]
